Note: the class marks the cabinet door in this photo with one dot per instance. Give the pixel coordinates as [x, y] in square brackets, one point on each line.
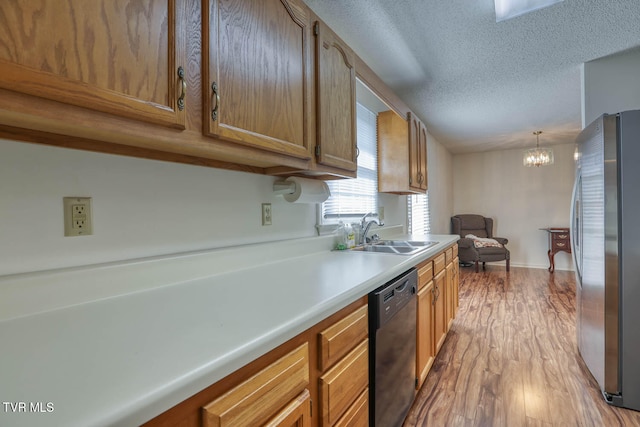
[393, 153]
[341, 385]
[295, 414]
[336, 101]
[449, 295]
[414, 152]
[456, 285]
[425, 333]
[422, 159]
[417, 154]
[122, 59]
[439, 315]
[257, 78]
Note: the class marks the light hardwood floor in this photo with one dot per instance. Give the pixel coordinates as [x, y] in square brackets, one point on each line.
[511, 358]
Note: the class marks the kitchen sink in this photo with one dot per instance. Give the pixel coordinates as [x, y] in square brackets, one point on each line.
[398, 247]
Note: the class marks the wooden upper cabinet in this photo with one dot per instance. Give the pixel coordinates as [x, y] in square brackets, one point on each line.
[257, 74]
[417, 155]
[120, 58]
[393, 153]
[402, 154]
[336, 101]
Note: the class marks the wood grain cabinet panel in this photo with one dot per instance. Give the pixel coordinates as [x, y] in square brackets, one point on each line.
[425, 273]
[262, 396]
[120, 58]
[417, 155]
[449, 295]
[358, 414]
[336, 101]
[343, 383]
[425, 332]
[440, 322]
[438, 263]
[341, 337]
[257, 74]
[295, 414]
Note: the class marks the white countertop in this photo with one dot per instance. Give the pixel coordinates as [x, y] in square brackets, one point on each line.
[118, 344]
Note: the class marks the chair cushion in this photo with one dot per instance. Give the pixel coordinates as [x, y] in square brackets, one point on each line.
[472, 224]
[491, 250]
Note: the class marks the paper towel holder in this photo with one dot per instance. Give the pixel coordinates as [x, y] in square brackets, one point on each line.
[284, 187]
[302, 190]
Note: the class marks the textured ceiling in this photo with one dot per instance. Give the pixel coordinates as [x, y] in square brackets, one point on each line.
[481, 85]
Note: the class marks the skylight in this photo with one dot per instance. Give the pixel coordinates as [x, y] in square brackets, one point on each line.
[507, 9]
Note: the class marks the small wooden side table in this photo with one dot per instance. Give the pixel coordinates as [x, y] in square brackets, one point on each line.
[559, 241]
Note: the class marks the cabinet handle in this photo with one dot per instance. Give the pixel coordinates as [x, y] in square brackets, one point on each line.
[183, 84]
[435, 297]
[357, 151]
[214, 111]
[420, 178]
[562, 236]
[560, 245]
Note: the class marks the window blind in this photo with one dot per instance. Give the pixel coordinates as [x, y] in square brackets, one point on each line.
[353, 198]
[418, 214]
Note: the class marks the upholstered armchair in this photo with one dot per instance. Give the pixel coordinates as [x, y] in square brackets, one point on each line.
[473, 251]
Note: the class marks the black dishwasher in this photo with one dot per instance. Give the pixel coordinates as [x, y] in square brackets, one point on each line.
[392, 350]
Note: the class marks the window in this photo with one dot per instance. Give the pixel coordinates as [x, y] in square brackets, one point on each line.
[418, 214]
[352, 198]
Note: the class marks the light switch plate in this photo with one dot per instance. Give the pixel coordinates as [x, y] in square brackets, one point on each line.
[77, 216]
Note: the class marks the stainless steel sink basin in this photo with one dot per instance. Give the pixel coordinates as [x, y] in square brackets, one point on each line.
[414, 243]
[398, 247]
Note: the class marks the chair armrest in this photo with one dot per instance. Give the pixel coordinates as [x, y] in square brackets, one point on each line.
[465, 243]
[501, 240]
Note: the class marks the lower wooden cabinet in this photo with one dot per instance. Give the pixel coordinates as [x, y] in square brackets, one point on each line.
[358, 413]
[262, 397]
[295, 414]
[343, 384]
[437, 307]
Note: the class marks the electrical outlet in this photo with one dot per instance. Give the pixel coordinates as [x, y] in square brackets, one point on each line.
[77, 216]
[266, 214]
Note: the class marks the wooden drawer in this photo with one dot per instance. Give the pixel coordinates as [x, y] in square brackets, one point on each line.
[438, 263]
[343, 383]
[358, 414]
[448, 256]
[425, 273]
[263, 395]
[560, 236]
[341, 337]
[455, 251]
[561, 244]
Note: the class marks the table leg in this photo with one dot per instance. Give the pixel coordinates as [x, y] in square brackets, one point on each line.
[552, 265]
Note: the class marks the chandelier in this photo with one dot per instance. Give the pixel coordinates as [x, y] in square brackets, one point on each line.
[538, 156]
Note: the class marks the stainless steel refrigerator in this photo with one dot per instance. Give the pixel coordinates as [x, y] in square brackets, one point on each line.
[605, 239]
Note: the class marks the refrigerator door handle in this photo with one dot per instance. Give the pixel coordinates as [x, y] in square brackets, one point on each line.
[573, 229]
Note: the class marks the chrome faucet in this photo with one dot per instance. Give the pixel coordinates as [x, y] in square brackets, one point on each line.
[365, 225]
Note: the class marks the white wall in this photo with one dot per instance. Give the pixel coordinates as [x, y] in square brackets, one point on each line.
[611, 85]
[140, 208]
[519, 199]
[440, 181]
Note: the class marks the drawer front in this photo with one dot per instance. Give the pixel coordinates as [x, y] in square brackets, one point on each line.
[425, 273]
[448, 256]
[455, 251]
[438, 264]
[341, 337]
[263, 395]
[560, 236]
[343, 383]
[561, 244]
[358, 414]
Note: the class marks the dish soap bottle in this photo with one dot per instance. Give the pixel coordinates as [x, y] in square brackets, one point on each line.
[349, 236]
